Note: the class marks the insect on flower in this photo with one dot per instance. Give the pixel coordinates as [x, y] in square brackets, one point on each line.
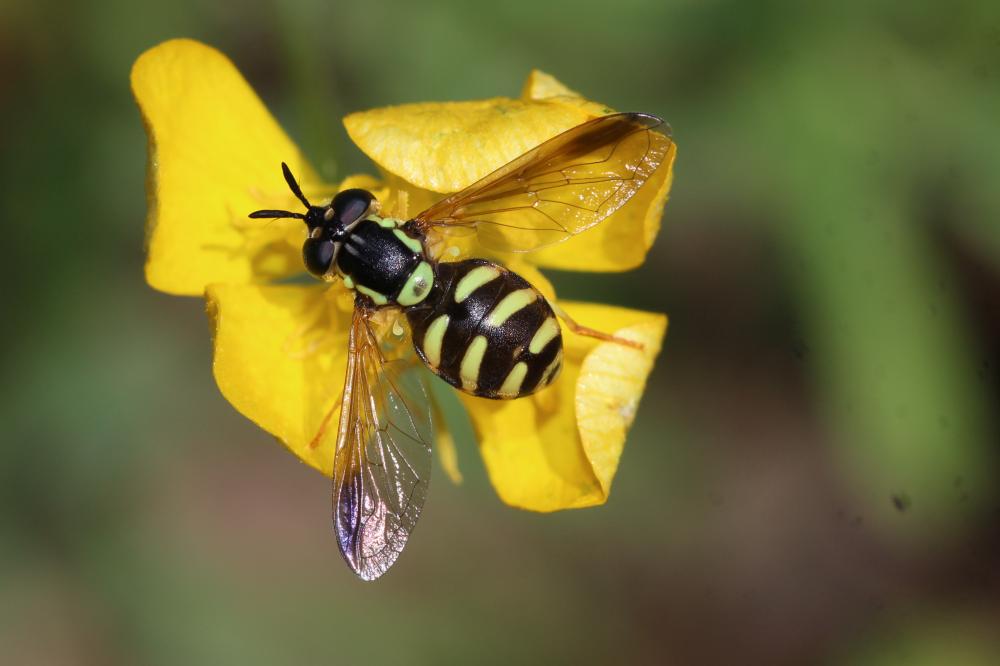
[475, 324]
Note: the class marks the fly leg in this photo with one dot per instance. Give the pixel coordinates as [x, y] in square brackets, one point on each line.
[591, 332]
[314, 442]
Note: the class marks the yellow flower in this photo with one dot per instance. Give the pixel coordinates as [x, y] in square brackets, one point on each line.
[280, 345]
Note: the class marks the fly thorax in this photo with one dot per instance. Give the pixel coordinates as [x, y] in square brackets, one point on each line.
[382, 261]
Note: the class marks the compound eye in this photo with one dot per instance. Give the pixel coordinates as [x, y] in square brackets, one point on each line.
[317, 253]
[350, 205]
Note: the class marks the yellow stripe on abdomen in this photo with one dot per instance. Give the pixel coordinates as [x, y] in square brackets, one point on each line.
[548, 330]
[510, 305]
[473, 359]
[433, 339]
[473, 280]
[512, 385]
[553, 369]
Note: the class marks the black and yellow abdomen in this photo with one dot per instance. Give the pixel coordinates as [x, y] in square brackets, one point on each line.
[487, 331]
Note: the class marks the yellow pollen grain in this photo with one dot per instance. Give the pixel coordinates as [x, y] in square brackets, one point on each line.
[511, 304]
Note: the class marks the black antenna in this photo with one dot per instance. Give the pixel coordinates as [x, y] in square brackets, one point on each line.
[294, 187]
[276, 214]
[290, 179]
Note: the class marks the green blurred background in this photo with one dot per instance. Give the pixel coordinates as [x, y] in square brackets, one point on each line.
[812, 475]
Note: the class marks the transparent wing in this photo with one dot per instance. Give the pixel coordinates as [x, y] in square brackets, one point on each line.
[559, 188]
[382, 463]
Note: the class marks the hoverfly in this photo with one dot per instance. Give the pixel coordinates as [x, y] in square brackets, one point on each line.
[475, 324]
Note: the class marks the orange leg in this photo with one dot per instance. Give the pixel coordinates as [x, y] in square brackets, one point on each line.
[322, 426]
[591, 332]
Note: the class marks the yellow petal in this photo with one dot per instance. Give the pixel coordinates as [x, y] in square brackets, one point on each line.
[532, 275]
[559, 448]
[416, 199]
[542, 86]
[622, 241]
[446, 146]
[280, 358]
[444, 442]
[436, 149]
[606, 397]
[214, 156]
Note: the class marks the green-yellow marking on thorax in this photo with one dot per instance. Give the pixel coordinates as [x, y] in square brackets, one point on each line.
[379, 299]
[473, 280]
[417, 286]
[411, 243]
[387, 222]
[510, 305]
